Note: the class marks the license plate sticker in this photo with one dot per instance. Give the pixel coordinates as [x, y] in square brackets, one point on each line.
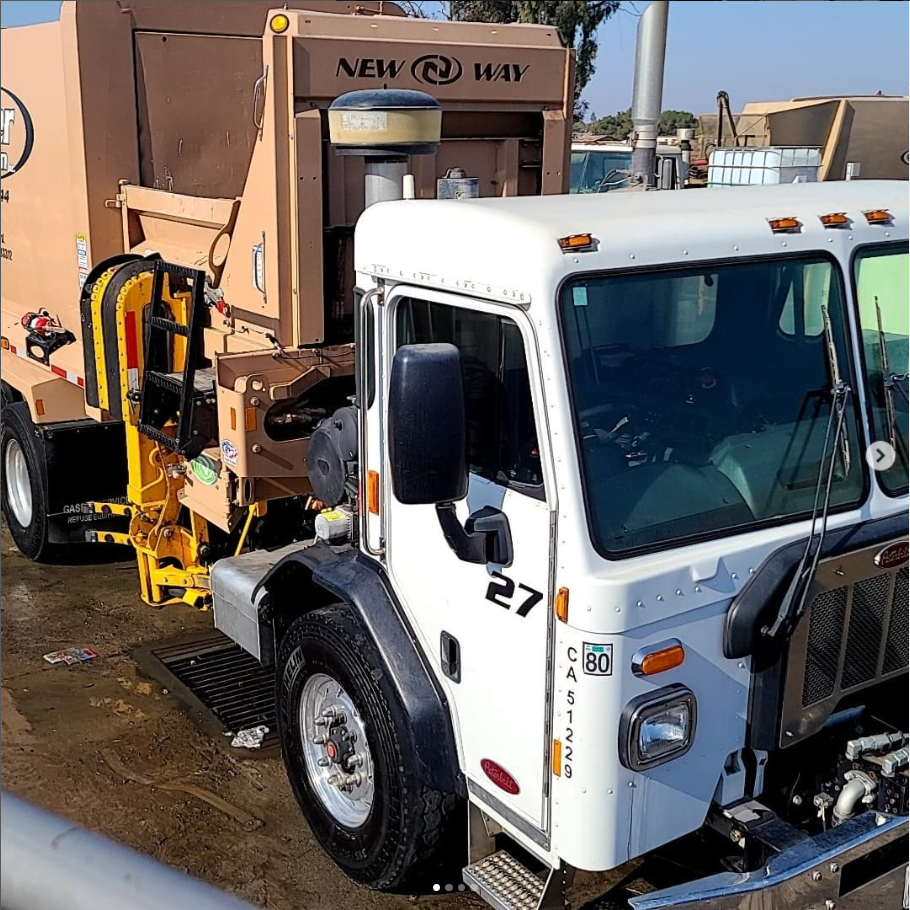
[597, 660]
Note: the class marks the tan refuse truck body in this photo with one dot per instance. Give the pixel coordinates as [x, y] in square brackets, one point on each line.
[178, 133]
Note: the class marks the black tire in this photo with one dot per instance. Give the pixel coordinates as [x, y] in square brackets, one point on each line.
[410, 829]
[18, 429]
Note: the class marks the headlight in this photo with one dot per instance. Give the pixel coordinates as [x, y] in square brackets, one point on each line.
[657, 727]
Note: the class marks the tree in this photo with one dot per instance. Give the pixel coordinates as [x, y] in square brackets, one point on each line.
[614, 126]
[577, 21]
[619, 125]
[671, 121]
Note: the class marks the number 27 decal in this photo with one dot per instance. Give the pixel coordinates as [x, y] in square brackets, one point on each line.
[501, 590]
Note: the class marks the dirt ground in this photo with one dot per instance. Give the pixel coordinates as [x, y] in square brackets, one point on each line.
[102, 745]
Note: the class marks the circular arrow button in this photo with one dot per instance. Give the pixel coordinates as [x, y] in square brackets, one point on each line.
[881, 456]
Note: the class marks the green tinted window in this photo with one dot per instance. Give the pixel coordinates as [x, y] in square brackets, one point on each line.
[883, 300]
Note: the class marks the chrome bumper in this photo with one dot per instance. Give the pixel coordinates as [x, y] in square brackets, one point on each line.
[860, 865]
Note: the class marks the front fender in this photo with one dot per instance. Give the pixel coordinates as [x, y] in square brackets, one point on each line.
[362, 584]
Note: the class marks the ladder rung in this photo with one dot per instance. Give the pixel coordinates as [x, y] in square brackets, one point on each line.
[179, 271]
[168, 325]
[165, 381]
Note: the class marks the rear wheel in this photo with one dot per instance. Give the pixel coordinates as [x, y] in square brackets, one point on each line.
[23, 465]
[342, 738]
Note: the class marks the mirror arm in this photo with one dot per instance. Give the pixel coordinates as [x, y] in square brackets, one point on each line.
[486, 537]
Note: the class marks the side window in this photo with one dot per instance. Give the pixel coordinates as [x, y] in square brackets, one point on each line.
[502, 437]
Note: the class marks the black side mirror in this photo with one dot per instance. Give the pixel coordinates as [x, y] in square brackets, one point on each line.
[427, 443]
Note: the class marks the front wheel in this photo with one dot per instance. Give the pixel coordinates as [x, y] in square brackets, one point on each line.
[343, 741]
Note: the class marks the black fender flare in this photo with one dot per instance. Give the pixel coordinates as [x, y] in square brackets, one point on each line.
[362, 584]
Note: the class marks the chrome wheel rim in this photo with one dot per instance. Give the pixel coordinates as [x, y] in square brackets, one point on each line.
[335, 749]
[18, 483]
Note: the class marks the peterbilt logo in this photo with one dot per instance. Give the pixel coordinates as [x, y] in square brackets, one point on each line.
[17, 134]
[430, 69]
[895, 554]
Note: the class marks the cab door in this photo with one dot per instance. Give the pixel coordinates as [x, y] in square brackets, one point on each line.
[485, 627]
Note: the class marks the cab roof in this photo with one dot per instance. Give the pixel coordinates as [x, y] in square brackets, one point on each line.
[511, 244]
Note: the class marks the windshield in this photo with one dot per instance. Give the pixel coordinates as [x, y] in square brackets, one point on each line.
[702, 397]
[881, 275]
[599, 171]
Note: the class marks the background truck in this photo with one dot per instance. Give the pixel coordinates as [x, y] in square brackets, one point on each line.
[552, 514]
[829, 138]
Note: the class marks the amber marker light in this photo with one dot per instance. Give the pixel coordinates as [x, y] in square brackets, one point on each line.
[279, 23]
[658, 658]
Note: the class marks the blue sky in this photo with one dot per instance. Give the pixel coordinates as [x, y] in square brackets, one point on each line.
[756, 51]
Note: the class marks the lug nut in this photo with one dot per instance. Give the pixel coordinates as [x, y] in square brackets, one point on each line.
[320, 740]
[335, 780]
[323, 763]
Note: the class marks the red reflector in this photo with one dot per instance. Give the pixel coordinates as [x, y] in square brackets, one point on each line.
[132, 348]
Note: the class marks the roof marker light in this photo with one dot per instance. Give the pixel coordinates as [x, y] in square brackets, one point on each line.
[878, 216]
[577, 243]
[788, 225]
[834, 219]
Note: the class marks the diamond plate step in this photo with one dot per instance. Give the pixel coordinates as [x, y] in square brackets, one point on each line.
[504, 883]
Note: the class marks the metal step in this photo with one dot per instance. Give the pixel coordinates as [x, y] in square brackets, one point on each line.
[504, 883]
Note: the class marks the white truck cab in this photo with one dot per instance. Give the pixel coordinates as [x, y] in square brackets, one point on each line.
[614, 477]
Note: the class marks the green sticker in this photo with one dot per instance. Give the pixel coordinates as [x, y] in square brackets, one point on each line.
[205, 470]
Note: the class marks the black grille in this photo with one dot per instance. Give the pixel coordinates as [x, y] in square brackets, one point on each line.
[860, 612]
[897, 647]
[826, 627]
[853, 635]
[867, 619]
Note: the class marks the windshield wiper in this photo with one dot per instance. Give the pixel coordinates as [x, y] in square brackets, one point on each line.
[793, 604]
[890, 381]
[837, 383]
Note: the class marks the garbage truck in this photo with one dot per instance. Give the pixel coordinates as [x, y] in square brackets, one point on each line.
[574, 528]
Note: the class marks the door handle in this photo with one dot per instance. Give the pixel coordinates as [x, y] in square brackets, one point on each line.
[259, 98]
[486, 536]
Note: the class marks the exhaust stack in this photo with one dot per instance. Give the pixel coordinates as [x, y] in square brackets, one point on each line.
[647, 91]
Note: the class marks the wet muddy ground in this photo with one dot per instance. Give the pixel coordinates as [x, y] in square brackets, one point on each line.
[112, 749]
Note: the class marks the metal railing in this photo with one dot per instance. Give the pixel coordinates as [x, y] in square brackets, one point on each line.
[49, 863]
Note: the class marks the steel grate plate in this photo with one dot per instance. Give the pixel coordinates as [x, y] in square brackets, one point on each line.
[231, 683]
